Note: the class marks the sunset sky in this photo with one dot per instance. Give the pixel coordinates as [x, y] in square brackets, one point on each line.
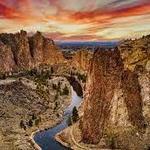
[76, 20]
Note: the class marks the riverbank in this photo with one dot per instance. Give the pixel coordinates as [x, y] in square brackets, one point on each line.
[71, 138]
[46, 139]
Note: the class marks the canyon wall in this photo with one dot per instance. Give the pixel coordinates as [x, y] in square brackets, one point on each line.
[27, 52]
[117, 93]
[81, 59]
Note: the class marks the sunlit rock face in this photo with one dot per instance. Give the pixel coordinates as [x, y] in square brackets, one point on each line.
[113, 97]
[81, 60]
[36, 48]
[6, 58]
[136, 53]
[104, 77]
[133, 99]
[51, 53]
[20, 48]
[136, 58]
[29, 52]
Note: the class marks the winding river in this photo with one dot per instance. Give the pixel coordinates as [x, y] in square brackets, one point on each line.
[46, 139]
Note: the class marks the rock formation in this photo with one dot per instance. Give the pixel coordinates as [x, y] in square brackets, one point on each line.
[29, 52]
[135, 53]
[81, 59]
[117, 93]
[6, 58]
[20, 48]
[104, 76]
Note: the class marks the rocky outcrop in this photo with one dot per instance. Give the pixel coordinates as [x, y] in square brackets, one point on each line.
[117, 94]
[36, 48]
[104, 76]
[29, 52]
[20, 48]
[132, 98]
[81, 59]
[136, 53]
[6, 58]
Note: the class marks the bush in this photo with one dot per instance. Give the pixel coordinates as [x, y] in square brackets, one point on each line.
[30, 123]
[37, 121]
[69, 121]
[22, 125]
[75, 115]
[54, 86]
[34, 117]
[65, 91]
[82, 77]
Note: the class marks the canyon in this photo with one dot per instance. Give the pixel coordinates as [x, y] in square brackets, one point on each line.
[115, 112]
[114, 84]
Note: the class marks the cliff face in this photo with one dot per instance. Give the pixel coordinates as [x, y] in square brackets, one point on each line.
[51, 53]
[117, 93]
[81, 59]
[29, 52]
[20, 48]
[6, 58]
[104, 77]
[136, 53]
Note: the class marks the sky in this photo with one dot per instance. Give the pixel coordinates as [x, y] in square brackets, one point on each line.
[77, 20]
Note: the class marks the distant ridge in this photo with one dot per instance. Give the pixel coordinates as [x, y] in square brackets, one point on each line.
[87, 44]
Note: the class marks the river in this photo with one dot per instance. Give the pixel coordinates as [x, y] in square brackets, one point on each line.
[46, 139]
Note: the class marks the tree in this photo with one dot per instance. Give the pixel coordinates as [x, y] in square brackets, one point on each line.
[30, 123]
[33, 117]
[22, 125]
[65, 91]
[37, 121]
[52, 70]
[75, 115]
[69, 121]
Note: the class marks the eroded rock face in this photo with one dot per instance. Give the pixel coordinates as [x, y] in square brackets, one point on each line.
[51, 54]
[30, 52]
[132, 98]
[6, 58]
[36, 48]
[81, 59]
[136, 52]
[104, 76]
[20, 48]
[118, 95]
[44, 50]
[112, 98]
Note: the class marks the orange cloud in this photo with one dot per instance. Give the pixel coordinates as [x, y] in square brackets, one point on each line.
[73, 20]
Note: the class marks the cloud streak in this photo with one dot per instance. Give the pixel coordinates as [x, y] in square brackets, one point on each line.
[77, 19]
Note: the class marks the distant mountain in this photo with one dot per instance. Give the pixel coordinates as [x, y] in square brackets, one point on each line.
[86, 44]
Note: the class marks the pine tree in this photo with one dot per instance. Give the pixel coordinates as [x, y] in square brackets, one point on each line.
[75, 115]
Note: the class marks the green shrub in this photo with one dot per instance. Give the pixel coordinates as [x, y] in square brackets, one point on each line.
[75, 115]
[30, 123]
[37, 121]
[22, 125]
[34, 117]
[82, 77]
[65, 91]
[69, 121]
